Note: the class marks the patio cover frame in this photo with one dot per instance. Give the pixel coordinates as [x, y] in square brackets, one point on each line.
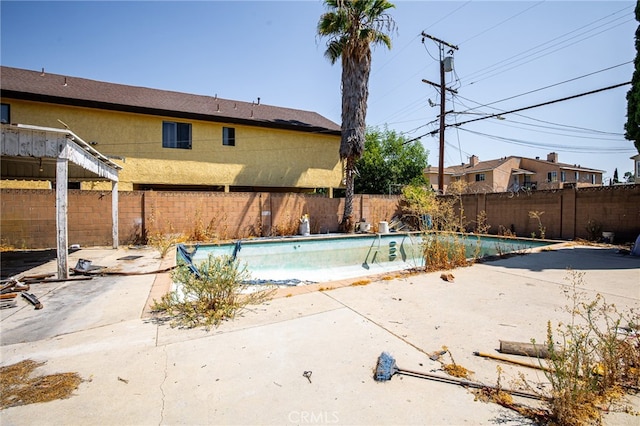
[22, 143]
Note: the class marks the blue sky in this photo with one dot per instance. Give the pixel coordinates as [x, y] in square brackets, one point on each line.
[244, 50]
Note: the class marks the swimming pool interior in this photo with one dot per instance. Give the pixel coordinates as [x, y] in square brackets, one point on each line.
[303, 260]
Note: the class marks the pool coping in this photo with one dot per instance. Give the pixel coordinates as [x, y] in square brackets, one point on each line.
[162, 282]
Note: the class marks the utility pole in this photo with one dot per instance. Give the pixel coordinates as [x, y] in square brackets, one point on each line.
[443, 88]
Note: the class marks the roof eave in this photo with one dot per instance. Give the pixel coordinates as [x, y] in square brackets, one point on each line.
[162, 112]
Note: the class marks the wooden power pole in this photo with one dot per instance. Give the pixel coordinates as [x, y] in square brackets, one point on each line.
[443, 88]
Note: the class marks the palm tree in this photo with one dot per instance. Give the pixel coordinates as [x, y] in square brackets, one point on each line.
[352, 26]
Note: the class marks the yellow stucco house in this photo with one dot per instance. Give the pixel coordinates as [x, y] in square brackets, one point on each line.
[516, 173]
[166, 140]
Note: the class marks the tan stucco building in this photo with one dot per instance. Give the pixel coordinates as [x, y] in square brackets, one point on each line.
[515, 174]
[176, 141]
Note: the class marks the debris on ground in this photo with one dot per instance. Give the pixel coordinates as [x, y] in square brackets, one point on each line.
[448, 277]
[524, 349]
[19, 387]
[511, 361]
[32, 299]
[9, 290]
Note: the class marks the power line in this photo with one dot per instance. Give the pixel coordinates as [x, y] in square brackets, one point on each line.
[502, 22]
[537, 49]
[563, 148]
[553, 85]
[525, 108]
[577, 128]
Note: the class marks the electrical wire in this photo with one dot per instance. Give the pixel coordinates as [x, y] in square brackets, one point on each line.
[501, 22]
[565, 127]
[505, 124]
[487, 71]
[562, 148]
[555, 84]
[529, 107]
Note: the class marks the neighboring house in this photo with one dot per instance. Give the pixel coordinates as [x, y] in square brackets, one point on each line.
[636, 167]
[176, 141]
[515, 174]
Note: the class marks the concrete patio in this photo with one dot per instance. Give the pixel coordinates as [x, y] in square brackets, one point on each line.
[250, 370]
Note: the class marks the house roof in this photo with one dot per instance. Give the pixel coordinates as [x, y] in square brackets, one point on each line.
[484, 166]
[54, 88]
[567, 166]
[481, 166]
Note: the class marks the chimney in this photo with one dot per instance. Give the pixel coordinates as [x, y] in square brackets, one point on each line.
[473, 160]
[552, 157]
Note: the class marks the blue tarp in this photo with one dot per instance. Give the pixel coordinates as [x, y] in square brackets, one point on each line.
[187, 258]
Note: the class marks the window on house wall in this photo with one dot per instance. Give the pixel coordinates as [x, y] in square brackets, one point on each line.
[5, 117]
[228, 136]
[577, 176]
[480, 177]
[593, 178]
[552, 176]
[563, 176]
[176, 135]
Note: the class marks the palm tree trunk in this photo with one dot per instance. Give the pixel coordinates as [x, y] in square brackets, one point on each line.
[348, 224]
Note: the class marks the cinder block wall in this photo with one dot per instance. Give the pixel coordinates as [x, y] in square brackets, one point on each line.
[27, 217]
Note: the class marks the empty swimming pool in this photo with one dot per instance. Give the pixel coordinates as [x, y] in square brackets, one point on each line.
[320, 258]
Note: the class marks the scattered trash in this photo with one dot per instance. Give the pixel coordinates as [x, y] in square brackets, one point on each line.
[447, 277]
[511, 361]
[32, 299]
[525, 349]
[10, 289]
[307, 374]
[386, 368]
[123, 380]
[434, 356]
[83, 265]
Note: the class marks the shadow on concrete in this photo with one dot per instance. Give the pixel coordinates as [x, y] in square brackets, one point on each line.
[583, 258]
[19, 261]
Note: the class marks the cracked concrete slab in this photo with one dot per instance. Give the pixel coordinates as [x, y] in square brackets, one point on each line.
[250, 370]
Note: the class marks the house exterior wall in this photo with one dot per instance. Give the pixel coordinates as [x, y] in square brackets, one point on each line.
[542, 168]
[261, 157]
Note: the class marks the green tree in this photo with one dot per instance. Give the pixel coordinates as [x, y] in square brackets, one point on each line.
[352, 26]
[388, 163]
[632, 126]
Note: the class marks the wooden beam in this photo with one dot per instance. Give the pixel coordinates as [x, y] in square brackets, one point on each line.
[114, 213]
[62, 177]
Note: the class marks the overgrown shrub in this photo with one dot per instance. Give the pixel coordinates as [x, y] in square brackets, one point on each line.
[217, 294]
[593, 358]
[444, 250]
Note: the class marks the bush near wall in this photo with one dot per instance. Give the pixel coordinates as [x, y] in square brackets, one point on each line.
[27, 217]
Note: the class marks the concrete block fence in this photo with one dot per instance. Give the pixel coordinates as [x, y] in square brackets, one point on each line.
[27, 217]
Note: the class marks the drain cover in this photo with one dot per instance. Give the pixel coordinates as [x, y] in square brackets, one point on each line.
[129, 257]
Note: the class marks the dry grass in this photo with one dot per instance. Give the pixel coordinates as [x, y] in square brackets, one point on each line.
[594, 361]
[453, 369]
[18, 386]
[361, 283]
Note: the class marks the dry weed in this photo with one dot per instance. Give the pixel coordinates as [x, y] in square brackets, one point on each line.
[19, 387]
